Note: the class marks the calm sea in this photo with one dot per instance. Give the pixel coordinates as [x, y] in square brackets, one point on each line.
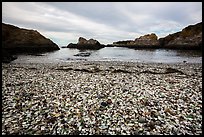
[115, 54]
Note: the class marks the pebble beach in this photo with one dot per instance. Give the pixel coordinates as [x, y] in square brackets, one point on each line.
[101, 98]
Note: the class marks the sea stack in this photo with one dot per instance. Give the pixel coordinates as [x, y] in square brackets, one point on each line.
[86, 44]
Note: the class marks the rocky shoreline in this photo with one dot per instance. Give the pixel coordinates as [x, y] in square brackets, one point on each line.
[18, 40]
[86, 98]
[189, 38]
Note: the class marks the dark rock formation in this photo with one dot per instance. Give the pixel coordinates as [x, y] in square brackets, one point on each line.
[125, 42]
[149, 40]
[64, 47]
[72, 45]
[17, 40]
[146, 41]
[86, 44]
[110, 45]
[83, 54]
[189, 38]
[6, 56]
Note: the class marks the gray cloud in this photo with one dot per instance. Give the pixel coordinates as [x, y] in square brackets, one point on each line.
[105, 21]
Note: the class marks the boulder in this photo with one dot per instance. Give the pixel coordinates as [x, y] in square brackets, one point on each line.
[86, 44]
[189, 38]
[19, 40]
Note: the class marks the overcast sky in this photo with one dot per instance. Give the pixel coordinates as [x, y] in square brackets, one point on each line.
[65, 22]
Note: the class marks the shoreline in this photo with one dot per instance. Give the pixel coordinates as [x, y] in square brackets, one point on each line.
[110, 62]
[102, 97]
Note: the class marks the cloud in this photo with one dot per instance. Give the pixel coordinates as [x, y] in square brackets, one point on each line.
[65, 22]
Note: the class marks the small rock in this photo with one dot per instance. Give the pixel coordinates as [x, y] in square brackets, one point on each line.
[154, 113]
[181, 118]
[109, 101]
[75, 132]
[42, 128]
[135, 132]
[104, 104]
[142, 120]
[125, 90]
[167, 110]
[151, 124]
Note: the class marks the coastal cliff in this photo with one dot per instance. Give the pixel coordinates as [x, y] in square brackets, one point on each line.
[189, 38]
[19, 40]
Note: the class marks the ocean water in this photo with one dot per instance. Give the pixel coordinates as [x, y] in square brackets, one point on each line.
[115, 54]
